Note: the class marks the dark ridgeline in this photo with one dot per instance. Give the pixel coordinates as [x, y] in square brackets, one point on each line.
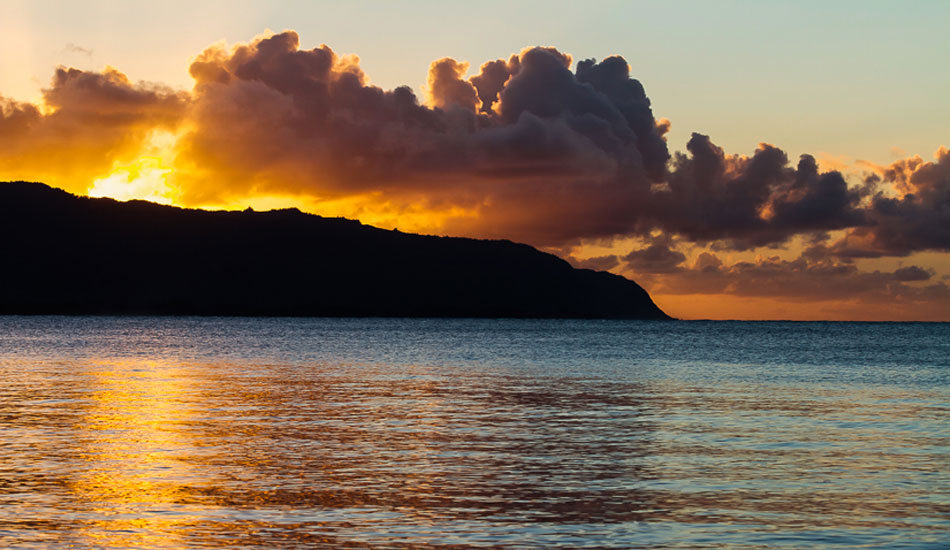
[76, 255]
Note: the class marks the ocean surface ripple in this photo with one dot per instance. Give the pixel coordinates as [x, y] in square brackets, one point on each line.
[144, 432]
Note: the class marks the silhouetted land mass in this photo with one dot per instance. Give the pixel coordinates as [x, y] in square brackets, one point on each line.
[77, 255]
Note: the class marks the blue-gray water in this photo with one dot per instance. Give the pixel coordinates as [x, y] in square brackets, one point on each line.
[388, 433]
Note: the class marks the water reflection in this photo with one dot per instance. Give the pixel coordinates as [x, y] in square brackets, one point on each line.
[160, 451]
[133, 442]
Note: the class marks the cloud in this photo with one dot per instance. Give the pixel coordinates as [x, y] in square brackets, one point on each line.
[908, 211]
[597, 263]
[920, 218]
[447, 86]
[73, 48]
[912, 273]
[751, 201]
[799, 280]
[658, 257]
[527, 149]
[90, 121]
[537, 147]
[491, 80]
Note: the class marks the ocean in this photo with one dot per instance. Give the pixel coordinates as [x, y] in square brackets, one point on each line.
[164, 432]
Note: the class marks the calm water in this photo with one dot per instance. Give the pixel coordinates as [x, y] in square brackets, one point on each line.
[286, 433]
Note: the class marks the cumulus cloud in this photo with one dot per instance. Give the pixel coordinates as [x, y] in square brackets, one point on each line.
[528, 149]
[447, 85]
[491, 80]
[538, 147]
[751, 201]
[90, 120]
[908, 211]
[920, 218]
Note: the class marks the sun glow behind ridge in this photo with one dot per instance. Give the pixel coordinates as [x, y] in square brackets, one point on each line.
[145, 177]
[257, 134]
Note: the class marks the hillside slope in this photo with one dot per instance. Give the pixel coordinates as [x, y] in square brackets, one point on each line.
[76, 255]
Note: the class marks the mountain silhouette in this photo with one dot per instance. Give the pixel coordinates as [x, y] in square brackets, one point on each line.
[64, 254]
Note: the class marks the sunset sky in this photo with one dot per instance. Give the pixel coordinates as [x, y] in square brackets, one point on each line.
[740, 160]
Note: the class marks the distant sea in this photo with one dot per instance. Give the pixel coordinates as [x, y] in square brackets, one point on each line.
[153, 432]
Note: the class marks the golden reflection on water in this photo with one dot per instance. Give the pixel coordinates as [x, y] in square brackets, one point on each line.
[132, 445]
[173, 454]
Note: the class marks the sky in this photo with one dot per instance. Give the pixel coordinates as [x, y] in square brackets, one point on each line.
[674, 157]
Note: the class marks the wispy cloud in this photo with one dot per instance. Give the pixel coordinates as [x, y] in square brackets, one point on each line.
[73, 48]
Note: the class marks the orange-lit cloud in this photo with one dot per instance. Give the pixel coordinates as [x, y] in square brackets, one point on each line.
[88, 122]
[526, 149]
[536, 148]
[447, 86]
[810, 286]
[269, 118]
[916, 218]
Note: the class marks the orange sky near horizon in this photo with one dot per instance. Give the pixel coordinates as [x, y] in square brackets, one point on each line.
[541, 147]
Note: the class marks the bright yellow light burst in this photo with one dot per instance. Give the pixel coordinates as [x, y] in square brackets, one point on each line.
[145, 177]
[151, 176]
